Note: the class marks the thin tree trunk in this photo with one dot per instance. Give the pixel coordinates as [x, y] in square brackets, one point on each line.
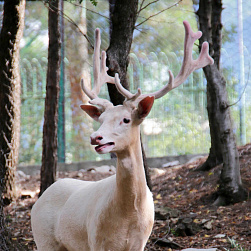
[10, 88]
[223, 143]
[49, 155]
[123, 15]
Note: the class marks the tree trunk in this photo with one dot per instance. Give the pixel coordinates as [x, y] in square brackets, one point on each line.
[121, 34]
[49, 154]
[223, 143]
[10, 88]
[211, 26]
[123, 18]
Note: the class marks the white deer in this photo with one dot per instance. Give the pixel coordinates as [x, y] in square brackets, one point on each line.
[116, 213]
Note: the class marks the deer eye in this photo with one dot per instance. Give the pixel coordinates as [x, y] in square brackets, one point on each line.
[126, 121]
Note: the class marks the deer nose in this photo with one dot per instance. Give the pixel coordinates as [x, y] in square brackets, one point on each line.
[95, 140]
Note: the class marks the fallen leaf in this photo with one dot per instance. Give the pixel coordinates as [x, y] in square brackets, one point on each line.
[158, 197]
[196, 221]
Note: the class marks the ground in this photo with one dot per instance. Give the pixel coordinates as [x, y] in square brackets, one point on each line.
[185, 215]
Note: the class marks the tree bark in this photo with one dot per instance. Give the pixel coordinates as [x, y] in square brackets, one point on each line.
[123, 15]
[10, 89]
[223, 143]
[123, 18]
[211, 28]
[49, 154]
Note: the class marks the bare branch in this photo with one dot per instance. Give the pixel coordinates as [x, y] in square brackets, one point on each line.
[70, 20]
[142, 8]
[243, 91]
[80, 6]
[167, 8]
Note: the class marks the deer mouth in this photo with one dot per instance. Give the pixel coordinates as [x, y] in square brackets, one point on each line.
[105, 148]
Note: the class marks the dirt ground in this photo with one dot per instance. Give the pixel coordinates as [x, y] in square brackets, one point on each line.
[185, 216]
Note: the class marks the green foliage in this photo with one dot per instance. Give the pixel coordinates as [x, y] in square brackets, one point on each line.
[94, 2]
[35, 38]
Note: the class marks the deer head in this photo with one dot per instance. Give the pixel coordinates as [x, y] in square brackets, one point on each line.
[120, 124]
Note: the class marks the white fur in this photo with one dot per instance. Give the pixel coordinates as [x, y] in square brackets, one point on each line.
[115, 214]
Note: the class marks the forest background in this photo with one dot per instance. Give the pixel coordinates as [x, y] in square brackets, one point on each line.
[178, 125]
[183, 126]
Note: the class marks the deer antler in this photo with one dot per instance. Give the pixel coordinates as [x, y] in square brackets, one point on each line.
[99, 70]
[188, 66]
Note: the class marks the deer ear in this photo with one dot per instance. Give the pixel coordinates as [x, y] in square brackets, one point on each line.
[92, 111]
[145, 106]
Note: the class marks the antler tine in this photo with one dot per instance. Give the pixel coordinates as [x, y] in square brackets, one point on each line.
[99, 70]
[188, 65]
[89, 93]
[128, 95]
[164, 90]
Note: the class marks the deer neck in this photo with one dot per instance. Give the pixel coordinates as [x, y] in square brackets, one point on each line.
[130, 177]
